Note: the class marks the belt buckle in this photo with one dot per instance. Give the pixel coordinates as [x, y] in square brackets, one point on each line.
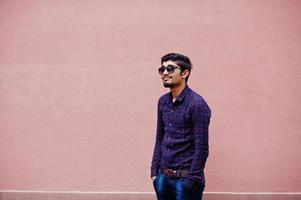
[174, 172]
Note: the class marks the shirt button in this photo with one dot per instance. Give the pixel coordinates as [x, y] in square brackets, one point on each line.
[171, 110]
[169, 138]
[169, 124]
[167, 149]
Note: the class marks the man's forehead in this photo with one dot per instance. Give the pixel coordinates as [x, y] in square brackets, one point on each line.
[169, 62]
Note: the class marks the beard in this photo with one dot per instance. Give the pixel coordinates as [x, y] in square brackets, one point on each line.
[168, 85]
[171, 83]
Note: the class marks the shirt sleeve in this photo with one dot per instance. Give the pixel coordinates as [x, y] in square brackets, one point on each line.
[201, 114]
[157, 149]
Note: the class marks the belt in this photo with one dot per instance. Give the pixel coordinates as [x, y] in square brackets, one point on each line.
[175, 173]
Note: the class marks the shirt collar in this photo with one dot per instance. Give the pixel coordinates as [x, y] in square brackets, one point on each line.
[182, 94]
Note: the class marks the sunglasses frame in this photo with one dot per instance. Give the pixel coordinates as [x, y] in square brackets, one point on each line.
[170, 69]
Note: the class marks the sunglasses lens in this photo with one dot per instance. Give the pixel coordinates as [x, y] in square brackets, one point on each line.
[170, 69]
[161, 70]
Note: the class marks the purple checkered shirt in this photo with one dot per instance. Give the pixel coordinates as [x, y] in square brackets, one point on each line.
[182, 134]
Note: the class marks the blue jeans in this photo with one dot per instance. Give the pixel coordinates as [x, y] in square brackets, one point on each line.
[168, 188]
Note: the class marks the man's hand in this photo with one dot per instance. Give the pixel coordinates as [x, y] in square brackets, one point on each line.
[154, 177]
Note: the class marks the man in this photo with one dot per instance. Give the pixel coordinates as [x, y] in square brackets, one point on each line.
[181, 147]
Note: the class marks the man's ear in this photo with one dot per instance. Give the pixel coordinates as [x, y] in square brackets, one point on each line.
[185, 73]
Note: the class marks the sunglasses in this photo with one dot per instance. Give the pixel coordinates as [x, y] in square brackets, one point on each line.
[170, 69]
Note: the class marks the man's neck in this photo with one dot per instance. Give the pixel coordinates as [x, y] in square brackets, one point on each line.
[176, 91]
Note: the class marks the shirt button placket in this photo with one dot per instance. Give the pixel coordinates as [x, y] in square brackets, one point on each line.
[172, 112]
[170, 124]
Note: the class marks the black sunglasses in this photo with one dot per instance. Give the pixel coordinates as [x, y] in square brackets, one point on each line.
[170, 69]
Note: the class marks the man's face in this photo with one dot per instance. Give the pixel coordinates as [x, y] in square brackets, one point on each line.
[172, 78]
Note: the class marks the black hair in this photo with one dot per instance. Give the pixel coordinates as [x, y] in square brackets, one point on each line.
[181, 60]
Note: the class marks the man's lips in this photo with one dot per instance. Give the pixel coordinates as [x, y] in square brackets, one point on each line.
[166, 78]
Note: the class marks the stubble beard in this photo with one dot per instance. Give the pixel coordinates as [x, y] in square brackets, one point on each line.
[168, 85]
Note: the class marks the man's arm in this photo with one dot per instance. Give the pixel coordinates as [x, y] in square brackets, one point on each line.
[157, 149]
[200, 119]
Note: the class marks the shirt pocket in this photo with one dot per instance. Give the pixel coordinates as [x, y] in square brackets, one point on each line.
[183, 125]
[183, 120]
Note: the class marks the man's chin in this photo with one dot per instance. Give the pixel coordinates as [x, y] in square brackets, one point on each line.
[167, 85]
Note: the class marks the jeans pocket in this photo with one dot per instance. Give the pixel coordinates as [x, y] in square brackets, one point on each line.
[193, 185]
[155, 180]
[187, 184]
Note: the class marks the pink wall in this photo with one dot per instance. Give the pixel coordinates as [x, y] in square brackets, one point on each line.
[79, 88]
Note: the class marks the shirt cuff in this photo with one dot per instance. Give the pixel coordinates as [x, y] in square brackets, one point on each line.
[154, 173]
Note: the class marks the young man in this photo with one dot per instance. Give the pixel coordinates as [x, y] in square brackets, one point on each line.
[181, 147]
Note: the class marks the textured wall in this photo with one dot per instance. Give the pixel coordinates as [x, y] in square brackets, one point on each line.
[79, 88]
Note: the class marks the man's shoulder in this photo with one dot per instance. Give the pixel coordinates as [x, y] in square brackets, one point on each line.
[197, 100]
[164, 97]
[196, 97]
